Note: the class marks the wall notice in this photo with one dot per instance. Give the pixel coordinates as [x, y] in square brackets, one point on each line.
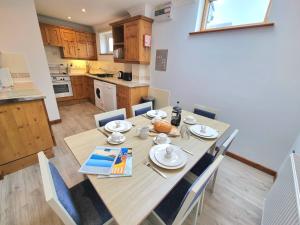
[161, 59]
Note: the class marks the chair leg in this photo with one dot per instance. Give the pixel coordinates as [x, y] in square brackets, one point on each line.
[214, 181]
[197, 212]
[201, 203]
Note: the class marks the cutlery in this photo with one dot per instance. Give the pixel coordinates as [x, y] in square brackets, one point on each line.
[104, 133]
[146, 117]
[147, 163]
[154, 134]
[187, 151]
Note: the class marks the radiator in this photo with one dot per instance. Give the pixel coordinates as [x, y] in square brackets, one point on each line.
[283, 201]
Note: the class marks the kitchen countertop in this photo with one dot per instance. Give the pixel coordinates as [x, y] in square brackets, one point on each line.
[20, 92]
[113, 80]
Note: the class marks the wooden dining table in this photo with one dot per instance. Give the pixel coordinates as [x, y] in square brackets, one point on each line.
[131, 199]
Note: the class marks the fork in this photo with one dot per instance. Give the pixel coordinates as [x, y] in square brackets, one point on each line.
[147, 163]
[103, 132]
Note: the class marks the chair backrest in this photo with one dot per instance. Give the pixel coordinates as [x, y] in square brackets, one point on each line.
[195, 191]
[226, 144]
[205, 111]
[56, 192]
[141, 108]
[103, 118]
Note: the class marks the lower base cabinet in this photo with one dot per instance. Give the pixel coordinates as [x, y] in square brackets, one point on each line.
[24, 131]
[83, 89]
[128, 96]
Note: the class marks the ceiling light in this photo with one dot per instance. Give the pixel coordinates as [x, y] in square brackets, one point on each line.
[69, 17]
[83, 10]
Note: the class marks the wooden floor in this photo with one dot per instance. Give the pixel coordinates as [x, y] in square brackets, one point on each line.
[238, 196]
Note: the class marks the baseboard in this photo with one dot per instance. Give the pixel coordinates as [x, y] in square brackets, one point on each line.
[54, 121]
[252, 164]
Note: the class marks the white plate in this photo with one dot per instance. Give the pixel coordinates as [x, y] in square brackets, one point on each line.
[124, 126]
[154, 160]
[190, 122]
[209, 132]
[174, 160]
[110, 141]
[154, 113]
[167, 142]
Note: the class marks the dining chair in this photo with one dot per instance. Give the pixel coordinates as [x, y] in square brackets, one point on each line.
[79, 205]
[208, 158]
[103, 118]
[205, 111]
[183, 199]
[141, 108]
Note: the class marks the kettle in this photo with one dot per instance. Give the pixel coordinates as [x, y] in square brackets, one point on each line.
[120, 74]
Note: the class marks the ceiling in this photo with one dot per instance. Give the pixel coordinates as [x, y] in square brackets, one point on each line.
[97, 11]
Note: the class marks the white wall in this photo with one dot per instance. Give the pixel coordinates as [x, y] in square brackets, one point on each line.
[20, 33]
[251, 76]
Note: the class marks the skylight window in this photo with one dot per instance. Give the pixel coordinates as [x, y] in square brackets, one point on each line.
[230, 13]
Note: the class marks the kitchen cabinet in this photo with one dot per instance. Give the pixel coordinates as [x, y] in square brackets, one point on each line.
[51, 35]
[75, 44]
[43, 33]
[128, 96]
[90, 89]
[129, 36]
[24, 131]
[69, 43]
[80, 87]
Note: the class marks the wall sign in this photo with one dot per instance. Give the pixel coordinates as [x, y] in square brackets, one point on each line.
[161, 59]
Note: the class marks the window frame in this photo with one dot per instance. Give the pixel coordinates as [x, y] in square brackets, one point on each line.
[99, 42]
[204, 17]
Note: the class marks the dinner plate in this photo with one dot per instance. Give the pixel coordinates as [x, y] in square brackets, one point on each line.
[124, 126]
[178, 151]
[209, 133]
[110, 141]
[168, 141]
[154, 113]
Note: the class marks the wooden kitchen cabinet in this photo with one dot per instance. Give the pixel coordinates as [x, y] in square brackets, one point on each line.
[69, 43]
[79, 87]
[128, 96]
[129, 35]
[51, 35]
[75, 44]
[90, 89]
[24, 131]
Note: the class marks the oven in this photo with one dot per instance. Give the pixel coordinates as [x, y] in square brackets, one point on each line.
[62, 86]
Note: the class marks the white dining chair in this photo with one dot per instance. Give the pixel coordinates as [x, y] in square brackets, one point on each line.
[205, 111]
[103, 118]
[183, 199]
[79, 205]
[141, 108]
[208, 158]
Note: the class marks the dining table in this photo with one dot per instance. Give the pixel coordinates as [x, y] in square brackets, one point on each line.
[131, 199]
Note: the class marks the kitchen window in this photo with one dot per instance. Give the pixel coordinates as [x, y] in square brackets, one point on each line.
[106, 42]
[228, 14]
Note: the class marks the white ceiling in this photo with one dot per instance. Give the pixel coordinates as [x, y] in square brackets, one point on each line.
[97, 11]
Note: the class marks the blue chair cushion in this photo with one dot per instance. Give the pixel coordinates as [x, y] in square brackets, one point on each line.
[90, 206]
[170, 205]
[202, 164]
[63, 194]
[107, 120]
[205, 113]
[142, 111]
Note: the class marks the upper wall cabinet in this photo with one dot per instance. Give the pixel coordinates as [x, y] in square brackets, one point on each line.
[51, 35]
[75, 44]
[129, 40]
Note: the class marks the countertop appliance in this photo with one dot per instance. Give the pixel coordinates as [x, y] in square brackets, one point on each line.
[5, 78]
[105, 95]
[127, 76]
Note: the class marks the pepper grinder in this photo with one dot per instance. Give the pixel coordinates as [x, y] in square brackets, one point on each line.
[176, 115]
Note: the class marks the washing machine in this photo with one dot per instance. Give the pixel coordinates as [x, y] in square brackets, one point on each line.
[105, 95]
